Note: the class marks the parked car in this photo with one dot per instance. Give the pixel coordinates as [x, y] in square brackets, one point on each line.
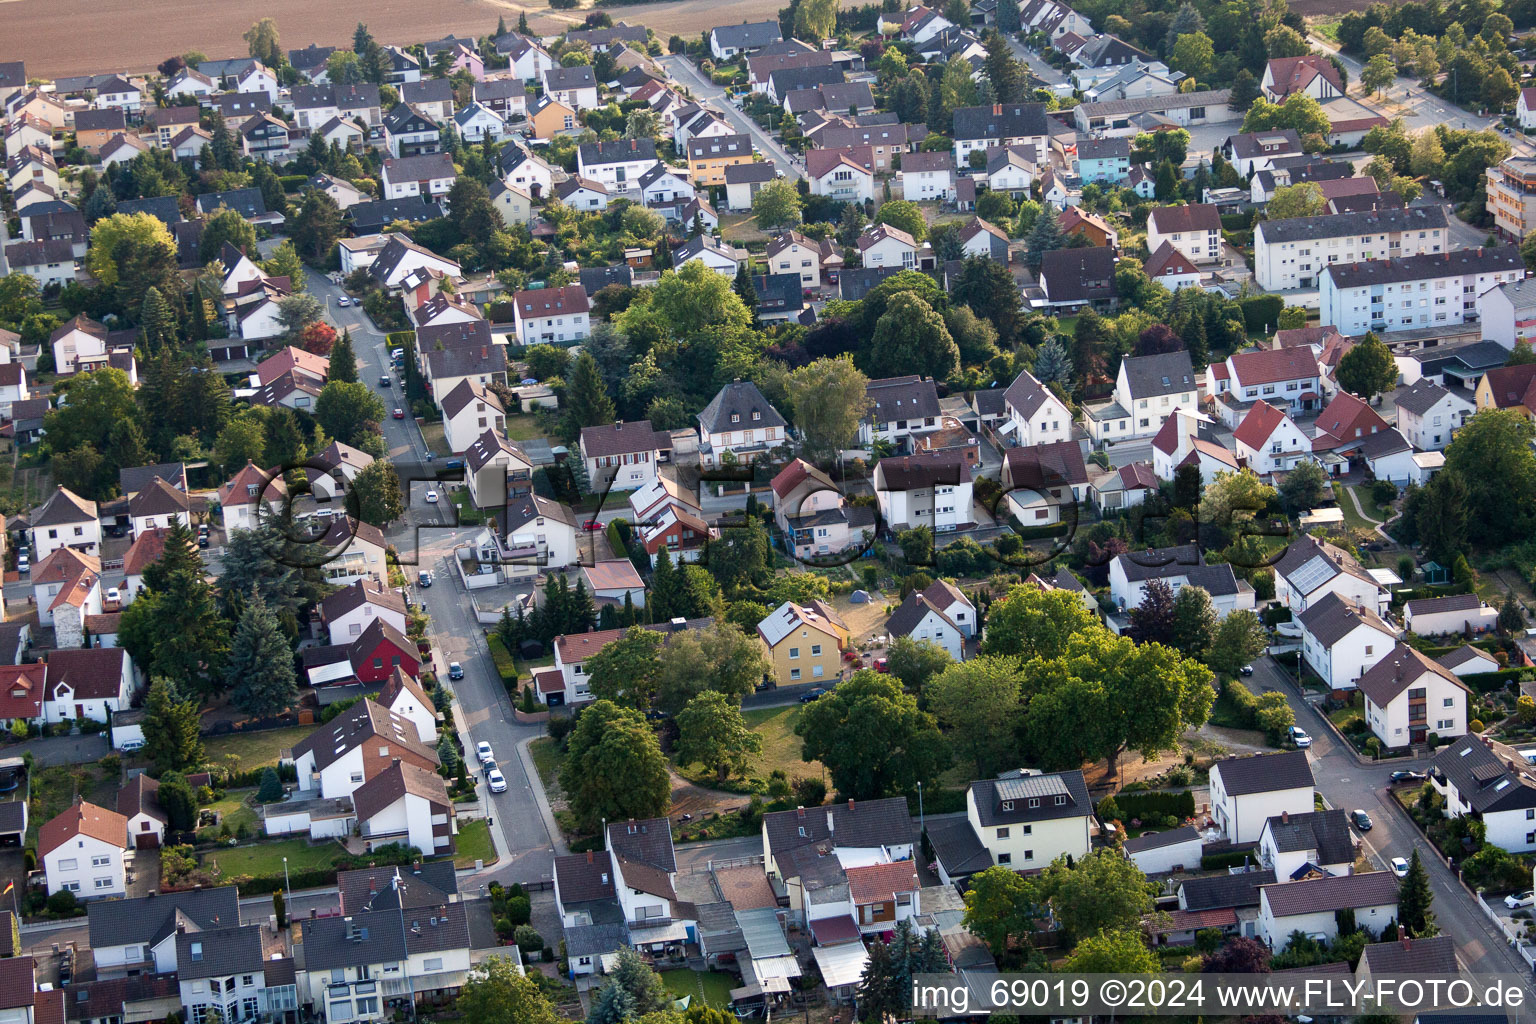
[432, 497]
[344, 302]
[1399, 867]
[384, 380]
[1300, 738]
[202, 535]
[424, 578]
[483, 752]
[1246, 670]
[1516, 900]
[498, 781]
[592, 524]
[23, 564]
[114, 596]
[1407, 775]
[399, 414]
[455, 670]
[1361, 819]
[812, 695]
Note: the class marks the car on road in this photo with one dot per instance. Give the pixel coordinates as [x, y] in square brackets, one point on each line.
[455, 670]
[812, 695]
[497, 780]
[1399, 867]
[399, 414]
[23, 564]
[1516, 900]
[1300, 738]
[384, 380]
[483, 752]
[1247, 670]
[344, 302]
[1407, 775]
[1361, 819]
[424, 578]
[592, 524]
[202, 535]
[432, 497]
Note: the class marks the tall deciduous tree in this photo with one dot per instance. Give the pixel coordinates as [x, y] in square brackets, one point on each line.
[1119, 951]
[263, 43]
[915, 662]
[911, 338]
[348, 410]
[1001, 905]
[1102, 891]
[1032, 623]
[1194, 622]
[614, 768]
[977, 702]
[625, 671]
[376, 490]
[777, 204]
[1368, 368]
[712, 732]
[109, 235]
[719, 658]
[1492, 456]
[260, 674]
[496, 992]
[829, 400]
[872, 738]
[1152, 621]
[1240, 638]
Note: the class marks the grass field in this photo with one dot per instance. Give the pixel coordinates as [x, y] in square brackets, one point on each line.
[255, 749]
[523, 428]
[266, 859]
[1352, 518]
[546, 760]
[475, 843]
[233, 811]
[712, 987]
[781, 747]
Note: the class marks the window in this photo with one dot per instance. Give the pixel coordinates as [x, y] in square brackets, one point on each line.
[100, 862]
[1029, 854]
[794, 652]
[1005, 858]
[434, 964]
[103, 883]
[1449, 702]
[794, 673]
[68, 864]
[815, 650]
[1002, 833]
[197, 951]
[72, 886]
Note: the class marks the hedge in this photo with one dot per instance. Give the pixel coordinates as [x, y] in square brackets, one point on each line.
[506, 665]
[1488, 682]
[1221, 861]
[1148, 804]
[1262, 312]
[292, 182]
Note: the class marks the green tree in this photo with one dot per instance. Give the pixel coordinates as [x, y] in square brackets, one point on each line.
[1032, 623]
[1245, 89]
[375, 494]
[1103, 891]
[1121, 951]
[1414, 899]
[625, 672]
[1043, 237]
[1511, 617]
[644, 987]
[957, 88]
[1303, 199]
[1499, 89]
[242, 440]
[614, 768]
[1195, 55]
[1240, 638]
[1304, 487]
[1004, 72]
[718, 658]
[226, 226]
[263, 43]
[1368, 368]
[828, 396]
[284, 440]
[317, 225]
[1001, 905]
[343, 360]
[497, 992]
[1194, 622]
[157, 321]
[815, 20]
[586, 399]
[172, 739]
[297, 311]
[712, 732]
[777, 204]
[1492, 456]
[271, 789]
[1052, 364]
[904, 215]
[109, 235]
[1008, 16]
[911, 338]
[1235, 498]
[915, 662]
[872, 738]
[1379, 74]
[260, 673]
[1427, 158]
[348, 411]
[977, 702]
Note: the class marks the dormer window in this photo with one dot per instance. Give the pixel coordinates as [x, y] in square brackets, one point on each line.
[1034, 801]
[1061, 801]
[197, 951]
[735, 417]
[757, 416]
[1007, 805]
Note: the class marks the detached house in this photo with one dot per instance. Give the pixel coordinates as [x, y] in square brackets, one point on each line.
[89, 683]
[1247, 791]
[575, 87]
[82, 851]
[941, 614]
[65, 520]
[551, 315]
[139, 804]
[1148, 389]
[1021, 821]
[933, 490]
[1492, 782]
[1312, 907]
[1042, 482]
[1034, 415]
[1178, 567]
[469, 410]
[804, 642]
[1194, 231]
[1311, 75]
[839, 174]
[927, 176]
[428, 175]
[347, 612]
[1310, 845]
[813, 513]
[1012, 124]
[899, 408]
[738, 425]
[1257, 151]
[1428, 415]
[623, 456]
[1311, 569]
[1408, 696]
[1270, 441]
[1288, 376]
[1341, 640]
[618, 164]
[67, 589]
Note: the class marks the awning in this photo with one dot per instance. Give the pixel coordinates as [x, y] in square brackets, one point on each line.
[841, 965]
[1006, 427]
[675, 931]
[830, 931]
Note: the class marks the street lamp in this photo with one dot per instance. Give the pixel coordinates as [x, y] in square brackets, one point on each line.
[286, 887]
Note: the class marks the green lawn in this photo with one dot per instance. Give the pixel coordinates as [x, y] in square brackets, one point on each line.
[474, 843]
[1368, 503]
[523, 428]
[255, 749]
[54, 789]
[234, 811]
[781, 747]
[266, 859]
[1327, 28]
[712, 987]
[546, 760]
[1352, 518]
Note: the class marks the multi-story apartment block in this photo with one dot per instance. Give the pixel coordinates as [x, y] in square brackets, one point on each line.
[1433, 290]
[1511, 189]
[1292, 253]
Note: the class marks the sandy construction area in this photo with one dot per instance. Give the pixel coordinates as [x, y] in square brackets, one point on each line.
[72, 37]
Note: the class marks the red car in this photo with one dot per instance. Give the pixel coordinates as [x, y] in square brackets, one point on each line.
[399, 414]
[592, 524]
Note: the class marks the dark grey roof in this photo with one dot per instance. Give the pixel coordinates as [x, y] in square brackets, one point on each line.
[957, 847]
[594, 279]
[1077, 275]
[1031, 798]
[1482, 260]
[789, 829]
[748, 35]
[1332, 893]
[218, 952]
[757, 170]
[1246, 146]
[1332, 618]
[136, 478]
[1420, 956]
[311, 57]
[1106, 51]
[1047, 465]
[368, 216]
[741, 399]
[430, 883]
[1166, 373]
[376, 937]
[856, 282]
[578, 77]
[99, 120]
[778, 293]
[1186, 561]
[1104, 149]
[616, 151]
[1325, 832]
[1422, 396]
[788, 80]
[151, 918]
[1265, 773]
[648, 841]
[420, 168]
[163, 207]
[1381, 444]
[584, 877]
[428, 90]
[1306, 229]
[911, 612]
[1484, 781]
[405, 119]
[1240, 890]
[1000, 121]
[595, 939]
[1158, 840]
[247, 202]
[902, 398]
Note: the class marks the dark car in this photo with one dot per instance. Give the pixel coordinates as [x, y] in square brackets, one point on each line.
[423, 578]
[1406, 775]
[1247, 670]
[455, 670]
[1361, 819]
[384, 381]
[812, 695]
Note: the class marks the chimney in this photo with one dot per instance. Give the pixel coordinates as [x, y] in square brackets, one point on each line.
[799, 812]
[1285, 817]
[618, 424]
[1407, 941]
[850, 806]
[589, 856]
[997, 109]
[373, 886]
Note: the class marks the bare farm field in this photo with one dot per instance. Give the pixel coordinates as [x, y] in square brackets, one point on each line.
[71, 38]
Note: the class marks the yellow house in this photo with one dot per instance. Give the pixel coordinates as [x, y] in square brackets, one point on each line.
[1508, 387]
[550, 117]
[805, 642]
[709, 157]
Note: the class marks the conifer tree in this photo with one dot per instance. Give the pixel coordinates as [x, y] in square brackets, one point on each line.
[260, 673]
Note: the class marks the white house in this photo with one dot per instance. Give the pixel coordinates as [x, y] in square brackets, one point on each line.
[1283, 376]
[343, 754]
[624, 456]
[242, 498]
[352, 609]
[1467, 660]
[947, 618]
[740, 421]
[1248, 791]
[402, 695]
[1311, 569]
[139, 803]
[899, 408]
[539, 534]
[66, 587]
[1408, 697]
[1341, 640]
[469, 410]
[933, 490]
[401, 258]
[1310, 75]
[721, 257]
[476, 123]
[1024, 822]
[615, 581]
[1485, 778]
[1456, 614]
[1292, 253]
[1428, 414]
[885, 246]
[1178, 567]
[1312, 906]
[65, 520]
[836, 174]
[583, 194]
[1270, 441]
[927, 177]
[1194, 231]
[430, 174]
[1413, 292]
[551, 315]
[618, 164]
[1525, 108]
[1295, 846]
[89, 683]
[1188, 437]
[1034, 415]
[1148, 389]
[82, 851]
[576, 86]
[1164, 851]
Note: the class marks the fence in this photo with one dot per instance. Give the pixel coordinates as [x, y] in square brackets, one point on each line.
[1510, 936]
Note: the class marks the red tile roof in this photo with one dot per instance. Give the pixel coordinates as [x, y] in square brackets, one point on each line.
[83, 819]
[1261, 421]
[878, 883]
[21, 690]
[1269, 366]
[1292, 74]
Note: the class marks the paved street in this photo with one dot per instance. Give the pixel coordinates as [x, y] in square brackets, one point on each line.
[1348, 784]
[682, 70]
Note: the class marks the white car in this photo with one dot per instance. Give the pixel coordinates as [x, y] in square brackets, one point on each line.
[1399, 867]
[344, 302]
[497, 780]
[432, 497]
[1516, 900]
[114, 596]
[1300, 738]
[483, 752]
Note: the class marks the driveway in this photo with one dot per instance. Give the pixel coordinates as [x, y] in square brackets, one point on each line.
[683, 71]
[1348, 784]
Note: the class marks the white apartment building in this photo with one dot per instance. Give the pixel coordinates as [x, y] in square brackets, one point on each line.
[1289, 254]
[1414, 292]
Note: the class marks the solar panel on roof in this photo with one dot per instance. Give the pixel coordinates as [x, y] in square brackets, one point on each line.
[1486, 772]
[1312, 575]
[1032, 786]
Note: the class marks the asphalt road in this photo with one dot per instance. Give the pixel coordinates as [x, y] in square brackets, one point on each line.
[682, 70]
[1348, 784]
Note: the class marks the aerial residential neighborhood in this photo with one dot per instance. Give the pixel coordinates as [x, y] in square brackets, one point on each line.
[632, 514]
